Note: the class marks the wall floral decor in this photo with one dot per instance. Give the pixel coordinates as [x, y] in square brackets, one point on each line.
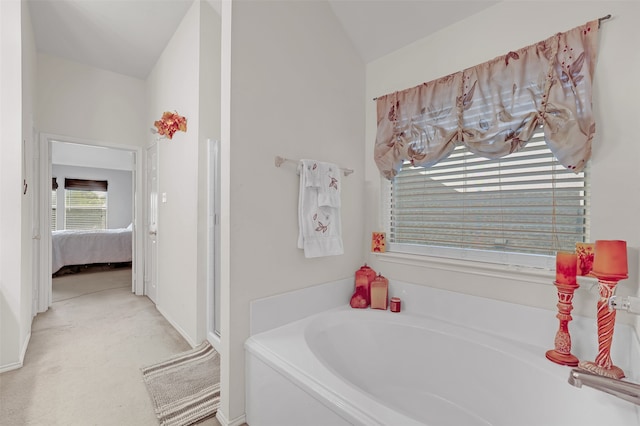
[170, 123]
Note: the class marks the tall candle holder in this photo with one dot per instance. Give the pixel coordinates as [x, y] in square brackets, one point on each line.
[566, 283]
[562, 352]
[609, 267]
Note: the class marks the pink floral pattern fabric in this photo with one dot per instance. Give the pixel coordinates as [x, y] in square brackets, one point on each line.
[495, 107]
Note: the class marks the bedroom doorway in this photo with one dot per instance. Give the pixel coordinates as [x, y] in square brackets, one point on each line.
[88, 153]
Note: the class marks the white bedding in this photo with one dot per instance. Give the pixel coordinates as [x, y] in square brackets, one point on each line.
[86, 247]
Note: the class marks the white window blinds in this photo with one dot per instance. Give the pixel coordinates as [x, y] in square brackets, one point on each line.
[54, 210]
[85, 203]
[54, 204]
[525, 202]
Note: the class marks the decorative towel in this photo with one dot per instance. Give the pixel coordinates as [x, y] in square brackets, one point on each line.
[320, 230]
[329, 185]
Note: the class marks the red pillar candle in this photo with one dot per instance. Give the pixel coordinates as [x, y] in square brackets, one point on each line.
[379, 293]
[394, 304]
[566, 267]
[610, 258]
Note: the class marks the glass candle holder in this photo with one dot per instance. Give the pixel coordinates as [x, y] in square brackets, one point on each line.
[561, 354]
[609, 266]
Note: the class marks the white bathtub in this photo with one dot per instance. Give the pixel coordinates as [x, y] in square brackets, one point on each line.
[368, 367]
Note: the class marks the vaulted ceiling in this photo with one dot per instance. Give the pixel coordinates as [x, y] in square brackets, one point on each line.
[128, 36]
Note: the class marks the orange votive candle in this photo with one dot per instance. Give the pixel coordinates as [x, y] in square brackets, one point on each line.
[610, 258]
[566, 267]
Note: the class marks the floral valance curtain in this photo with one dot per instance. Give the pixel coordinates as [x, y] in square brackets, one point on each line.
[495, 107]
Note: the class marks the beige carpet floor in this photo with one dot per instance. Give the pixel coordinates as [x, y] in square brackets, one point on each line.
[82, 366]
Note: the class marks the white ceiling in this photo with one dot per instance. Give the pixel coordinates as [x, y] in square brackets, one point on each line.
[379, 27]
[128, 36]
[123, 36]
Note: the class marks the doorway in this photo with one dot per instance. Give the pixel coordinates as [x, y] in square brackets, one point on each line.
[213, 242]
[151, 226]
[44, 290]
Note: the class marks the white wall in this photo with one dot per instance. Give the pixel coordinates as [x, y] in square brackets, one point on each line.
[29, 199]
[173, 86]
[297, 90]
[90, 104]
[72, 154]
[209, 131]
[17, 86]
[615, 171]
[119, 192]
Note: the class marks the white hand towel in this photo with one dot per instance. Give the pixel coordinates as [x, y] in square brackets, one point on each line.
[320, 229]
[329, 185]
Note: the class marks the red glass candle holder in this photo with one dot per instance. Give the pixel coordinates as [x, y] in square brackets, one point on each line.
[364, 277]
[395, 304]
[562, 352]
[606, 322]
[609, 266]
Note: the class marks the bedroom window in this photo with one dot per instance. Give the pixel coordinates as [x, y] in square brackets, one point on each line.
[501, 210]
[54, 210]
[54, 204]
[85, 204]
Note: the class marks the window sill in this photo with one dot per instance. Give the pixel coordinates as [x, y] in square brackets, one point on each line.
[494, 270]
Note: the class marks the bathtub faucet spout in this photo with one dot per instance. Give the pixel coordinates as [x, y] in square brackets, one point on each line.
[620, 388]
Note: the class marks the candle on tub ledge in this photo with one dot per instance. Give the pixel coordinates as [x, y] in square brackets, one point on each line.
[395, 304]
[566, 267]
[379, 293]
[361, 298]
[610, 259]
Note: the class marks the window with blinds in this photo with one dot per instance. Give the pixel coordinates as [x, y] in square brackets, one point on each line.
[524, 203]
[54, 204]
[54, 210]
[85, 204]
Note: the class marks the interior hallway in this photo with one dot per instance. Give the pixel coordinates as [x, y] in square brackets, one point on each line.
[82, 366]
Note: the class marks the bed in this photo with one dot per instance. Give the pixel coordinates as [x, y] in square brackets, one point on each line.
[72, 247]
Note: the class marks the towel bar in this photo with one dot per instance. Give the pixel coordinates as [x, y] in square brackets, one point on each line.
[280, 160]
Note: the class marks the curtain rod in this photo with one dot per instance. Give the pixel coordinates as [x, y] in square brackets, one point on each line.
[279, 160]
[604, 18]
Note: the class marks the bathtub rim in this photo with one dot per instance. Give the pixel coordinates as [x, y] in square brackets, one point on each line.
[345, 404]
[348, 400]
[310, 385]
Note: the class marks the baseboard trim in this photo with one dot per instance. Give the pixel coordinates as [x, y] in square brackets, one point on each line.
[25, 345]
[23, 353]
[235, 422]
[10, 367]
[177, 327]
